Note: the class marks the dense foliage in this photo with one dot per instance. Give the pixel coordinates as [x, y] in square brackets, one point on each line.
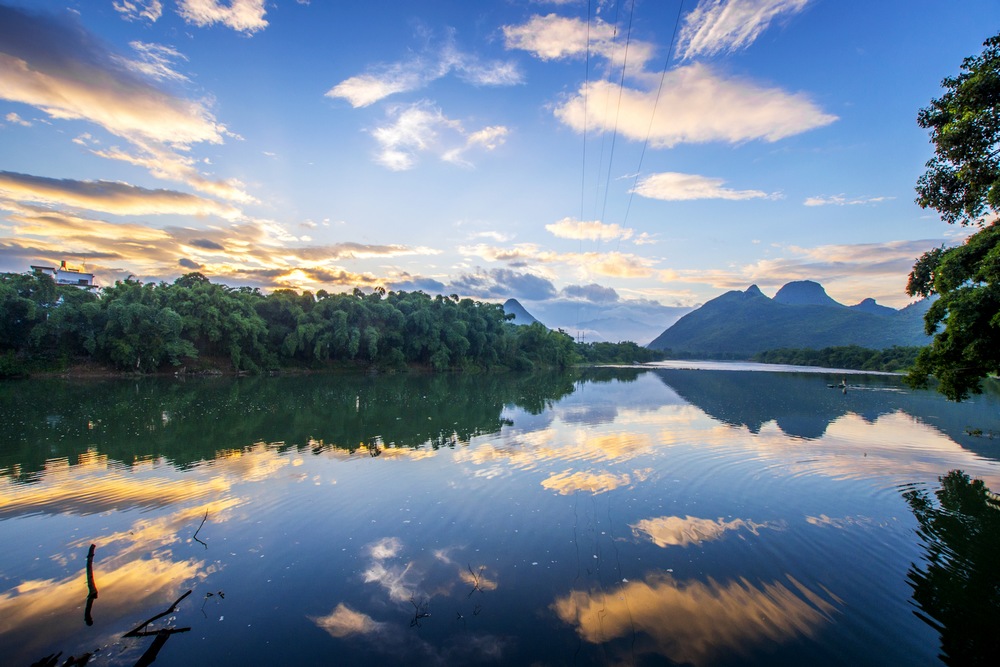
[962, 183]
[855, 357]
[196, 323]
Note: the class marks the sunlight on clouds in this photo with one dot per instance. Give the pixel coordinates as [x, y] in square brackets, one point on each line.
[717, 26]
[612, 264]
[155, 61]
[589, 230]
[693, 622]
[366, 89]
[240, 15]
[697, 105]
[674, 186]
[108, 197]
[344, 622]
[555, 37]
[16, 120]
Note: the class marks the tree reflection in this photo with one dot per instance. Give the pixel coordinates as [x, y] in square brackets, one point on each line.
[957, 587]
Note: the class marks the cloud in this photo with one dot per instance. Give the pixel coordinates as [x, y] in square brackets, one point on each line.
[696, 105]
[258, 253]
[555, 37]
[417, 72]
[841, 200]
[503, 284]
[423, 128]
[139, 10]
[155, 61]
[109, 197]
[674, 186]
[611, 264]
[16, 120]
[725, 26]
[850, 272]
[69, 74]
[241, 15]
[593, 293]
[591, 230]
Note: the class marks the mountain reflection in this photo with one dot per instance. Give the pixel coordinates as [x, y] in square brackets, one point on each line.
[694, 622]
[957, 586]
[802, 405]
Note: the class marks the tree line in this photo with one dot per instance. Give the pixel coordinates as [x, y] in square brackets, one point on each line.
[892, 360]
[195, 323]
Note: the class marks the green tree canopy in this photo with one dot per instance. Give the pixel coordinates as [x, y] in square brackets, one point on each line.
[962, 183]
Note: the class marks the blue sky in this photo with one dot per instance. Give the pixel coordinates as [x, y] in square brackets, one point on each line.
[559, 152]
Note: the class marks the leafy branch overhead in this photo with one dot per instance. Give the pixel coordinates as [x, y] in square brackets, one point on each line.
[962, 183]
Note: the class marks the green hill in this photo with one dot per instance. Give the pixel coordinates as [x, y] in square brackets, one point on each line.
[744, 323]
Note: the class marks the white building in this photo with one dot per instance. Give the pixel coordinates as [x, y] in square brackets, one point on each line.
[65, 275]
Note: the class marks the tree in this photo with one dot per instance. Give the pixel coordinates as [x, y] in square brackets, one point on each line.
[962, 183]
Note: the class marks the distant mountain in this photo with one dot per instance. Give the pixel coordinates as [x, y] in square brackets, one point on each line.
[612, 322]
[744, 323]
[869, 306]
[805, 293]
[521, 316]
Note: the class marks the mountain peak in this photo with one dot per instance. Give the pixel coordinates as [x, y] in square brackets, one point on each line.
[753, 291]
[804, 293]
[521, 315]
[869, 306]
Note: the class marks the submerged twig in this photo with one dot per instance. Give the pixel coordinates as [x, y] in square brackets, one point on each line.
[195, 536]
[91, 587]
[138, 631]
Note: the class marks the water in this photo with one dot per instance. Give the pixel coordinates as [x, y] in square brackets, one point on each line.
[641, 516]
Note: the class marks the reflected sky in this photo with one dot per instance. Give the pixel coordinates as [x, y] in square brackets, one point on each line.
[695, 622]
[623, 521]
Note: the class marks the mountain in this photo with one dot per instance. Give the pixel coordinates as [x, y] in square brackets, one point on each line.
[521, 316]
[744, 323]
[869, 306]
[639, 321]
[805, 293]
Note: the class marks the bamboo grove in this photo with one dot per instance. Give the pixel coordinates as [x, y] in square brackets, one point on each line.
[194, 324]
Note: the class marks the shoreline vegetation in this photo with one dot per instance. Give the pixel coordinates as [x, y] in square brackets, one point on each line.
[196, 327]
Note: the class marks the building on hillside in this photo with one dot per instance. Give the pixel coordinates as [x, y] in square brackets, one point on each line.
[65, 275]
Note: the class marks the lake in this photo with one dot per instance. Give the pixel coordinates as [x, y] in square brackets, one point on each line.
[627, 516]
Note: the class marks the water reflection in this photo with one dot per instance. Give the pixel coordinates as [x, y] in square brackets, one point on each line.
[668, 531]
[957, 584]
[803, 406]
[694, 622]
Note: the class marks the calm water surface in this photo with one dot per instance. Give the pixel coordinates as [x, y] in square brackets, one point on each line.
[647, 516]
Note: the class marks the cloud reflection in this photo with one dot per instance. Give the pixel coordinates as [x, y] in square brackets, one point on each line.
[668, 531]
[344, 622]
[695, 622]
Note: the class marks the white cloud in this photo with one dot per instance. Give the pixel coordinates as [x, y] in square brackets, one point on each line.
[422, 128]
[717, 26]
[155, 61]
[842, 200]
[588, 230]
[674, 186]
[16, 120]
[138, 10]
[555, 37]
[241, 15]
[417, 72]
[697, 105]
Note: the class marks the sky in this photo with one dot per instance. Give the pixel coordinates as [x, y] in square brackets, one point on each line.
[621, 156]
